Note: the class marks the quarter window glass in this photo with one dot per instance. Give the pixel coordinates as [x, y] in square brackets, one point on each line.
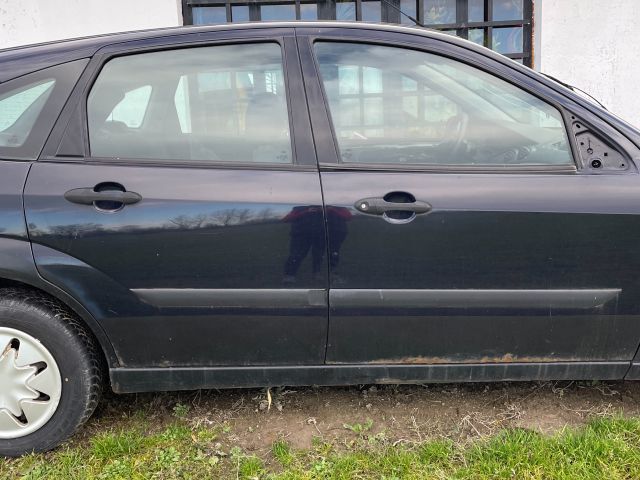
[399, 106]
[223, 103]
[19, 110]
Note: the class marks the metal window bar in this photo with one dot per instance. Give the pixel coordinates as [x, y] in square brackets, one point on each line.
[326, 10]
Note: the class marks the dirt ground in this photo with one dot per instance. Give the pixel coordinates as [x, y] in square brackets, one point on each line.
[404, 413]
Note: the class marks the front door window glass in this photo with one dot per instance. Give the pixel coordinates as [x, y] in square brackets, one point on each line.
[394, 105]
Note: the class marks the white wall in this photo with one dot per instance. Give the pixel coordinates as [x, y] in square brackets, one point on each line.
[34, 21]
[594, 45]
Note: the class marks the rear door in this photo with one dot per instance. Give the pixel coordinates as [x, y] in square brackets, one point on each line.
[470, 221]
[180, 202]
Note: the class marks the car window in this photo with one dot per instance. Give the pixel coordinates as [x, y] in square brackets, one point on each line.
[132, 107]
[393, 105]
[19, 110]
[219, 104]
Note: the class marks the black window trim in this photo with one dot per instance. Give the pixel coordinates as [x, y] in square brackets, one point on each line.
[284, 37]
[307, 38]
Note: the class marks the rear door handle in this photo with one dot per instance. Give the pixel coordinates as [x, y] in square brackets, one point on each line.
[379, 206]
[87, 196]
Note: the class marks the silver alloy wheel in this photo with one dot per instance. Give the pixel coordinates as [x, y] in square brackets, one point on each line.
[30, 384]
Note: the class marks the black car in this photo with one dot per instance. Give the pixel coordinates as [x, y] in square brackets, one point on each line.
[302, 203]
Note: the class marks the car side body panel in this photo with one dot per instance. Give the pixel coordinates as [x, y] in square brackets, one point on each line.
[506, 268]
[247, 334]
[150, 273]
[473, 280]
[193, 274]
[130, 380]
[16, 257]
[13, 176]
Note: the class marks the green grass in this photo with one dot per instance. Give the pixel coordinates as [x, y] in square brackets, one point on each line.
[606, 448]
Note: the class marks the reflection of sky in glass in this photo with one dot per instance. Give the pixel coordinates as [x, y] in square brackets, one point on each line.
[476, 35]
[507, 9]
[345, 10]
[278, 12]
[439, 11]
[240, 13]
[209, 15]
[476, 10]
[308, 11]
[408, 7]
[507, 40]
[371, 11]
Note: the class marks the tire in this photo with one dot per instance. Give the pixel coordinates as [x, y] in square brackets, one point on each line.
[73, 372]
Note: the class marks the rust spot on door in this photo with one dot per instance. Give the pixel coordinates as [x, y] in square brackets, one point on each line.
[505, 358]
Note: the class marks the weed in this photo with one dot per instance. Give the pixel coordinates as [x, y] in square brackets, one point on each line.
[117, 444]
[359, 428]
[282, 452]
[180, 410]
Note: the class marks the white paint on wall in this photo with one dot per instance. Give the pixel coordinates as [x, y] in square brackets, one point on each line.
[594, 45]
[32, 21]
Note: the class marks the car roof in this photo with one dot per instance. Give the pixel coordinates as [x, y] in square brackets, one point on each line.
[101, 40]
[17, 61]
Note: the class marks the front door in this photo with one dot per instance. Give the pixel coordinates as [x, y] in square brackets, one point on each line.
[193, 228]
[460, 229]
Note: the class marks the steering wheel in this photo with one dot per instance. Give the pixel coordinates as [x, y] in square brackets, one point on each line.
[454, 135]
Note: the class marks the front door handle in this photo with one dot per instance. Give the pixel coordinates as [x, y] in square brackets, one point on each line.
[88, 196]
[379, 206]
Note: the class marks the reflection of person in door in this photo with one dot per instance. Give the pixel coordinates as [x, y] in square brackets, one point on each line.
[337, 218]
[307, 234]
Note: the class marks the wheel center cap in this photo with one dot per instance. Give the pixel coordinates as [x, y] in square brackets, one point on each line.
[13, 383]
[30, 384]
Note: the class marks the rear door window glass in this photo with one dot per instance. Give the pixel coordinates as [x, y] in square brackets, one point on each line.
[132, 107]
[207, 104]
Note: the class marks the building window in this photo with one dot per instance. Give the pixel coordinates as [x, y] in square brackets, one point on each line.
[502, 25]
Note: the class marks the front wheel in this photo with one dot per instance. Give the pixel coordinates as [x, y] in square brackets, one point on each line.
[50, 372]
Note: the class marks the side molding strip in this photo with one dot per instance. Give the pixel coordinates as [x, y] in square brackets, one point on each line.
[128, 380]
[233, 297]
[563, 298]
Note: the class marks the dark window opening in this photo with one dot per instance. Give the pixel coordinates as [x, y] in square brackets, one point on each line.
[502, 25]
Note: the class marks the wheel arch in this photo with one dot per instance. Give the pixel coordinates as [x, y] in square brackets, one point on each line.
[17, 269]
